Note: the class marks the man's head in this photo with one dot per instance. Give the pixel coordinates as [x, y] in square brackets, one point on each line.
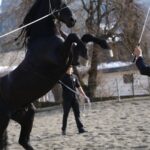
[70, 70]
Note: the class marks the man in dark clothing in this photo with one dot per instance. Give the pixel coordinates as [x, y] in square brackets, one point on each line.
[143, 68]
[69, 84]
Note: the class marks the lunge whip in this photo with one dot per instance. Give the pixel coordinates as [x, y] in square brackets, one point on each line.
[142, 31]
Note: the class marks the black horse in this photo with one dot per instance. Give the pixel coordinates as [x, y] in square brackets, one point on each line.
[47, 59]
[25, 116]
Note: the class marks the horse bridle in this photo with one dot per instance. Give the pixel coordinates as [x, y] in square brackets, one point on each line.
[55, 11]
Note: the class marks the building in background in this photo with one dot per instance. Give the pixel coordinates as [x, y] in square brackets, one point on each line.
[118, 79]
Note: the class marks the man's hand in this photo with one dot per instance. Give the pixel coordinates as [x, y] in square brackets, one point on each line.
[88, 99]
[138, 52]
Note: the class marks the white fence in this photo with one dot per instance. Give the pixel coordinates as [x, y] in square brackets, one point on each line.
[114, 85]
[48, 97]
[109, 85]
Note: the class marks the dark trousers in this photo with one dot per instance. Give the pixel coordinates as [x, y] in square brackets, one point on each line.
[67, 105]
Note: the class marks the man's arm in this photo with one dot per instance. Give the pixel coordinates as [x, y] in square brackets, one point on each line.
[143, 68]
[82, 91]
[84, 95]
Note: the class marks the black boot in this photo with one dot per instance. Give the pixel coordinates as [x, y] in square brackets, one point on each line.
[26, 145]
[82, 130]
[63, 132]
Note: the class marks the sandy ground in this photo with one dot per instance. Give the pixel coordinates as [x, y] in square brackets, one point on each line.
[111, 125]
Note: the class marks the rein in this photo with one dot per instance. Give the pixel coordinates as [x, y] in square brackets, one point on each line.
[70, 88]
[33, 22]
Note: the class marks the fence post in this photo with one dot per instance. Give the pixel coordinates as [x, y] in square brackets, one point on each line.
[118, 90]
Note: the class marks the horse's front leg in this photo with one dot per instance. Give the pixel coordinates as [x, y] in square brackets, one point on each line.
[67, 45]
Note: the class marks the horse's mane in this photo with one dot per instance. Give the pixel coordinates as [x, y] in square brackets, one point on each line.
[33, 14]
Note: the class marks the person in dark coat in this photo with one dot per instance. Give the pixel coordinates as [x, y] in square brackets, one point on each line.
[143, 68]
[69, 84]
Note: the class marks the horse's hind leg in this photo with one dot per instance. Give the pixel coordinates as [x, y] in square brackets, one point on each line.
[3, 143]
[25, 118]
[26, 127]
[4, 120]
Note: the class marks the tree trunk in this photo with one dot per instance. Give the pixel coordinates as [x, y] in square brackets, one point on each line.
[93, 73]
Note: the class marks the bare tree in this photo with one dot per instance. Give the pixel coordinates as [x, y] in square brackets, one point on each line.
[111, 19]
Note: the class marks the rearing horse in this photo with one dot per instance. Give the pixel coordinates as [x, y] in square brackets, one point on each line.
[46, 59]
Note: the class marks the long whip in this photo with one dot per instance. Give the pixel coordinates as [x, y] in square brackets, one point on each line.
[144, 26]
[142, 31]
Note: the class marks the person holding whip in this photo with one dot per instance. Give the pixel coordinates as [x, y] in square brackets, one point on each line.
[142, 67]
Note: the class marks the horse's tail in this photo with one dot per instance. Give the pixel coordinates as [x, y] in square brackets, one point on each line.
[100, 41]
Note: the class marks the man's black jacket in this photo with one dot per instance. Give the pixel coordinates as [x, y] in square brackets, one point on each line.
[143, 68]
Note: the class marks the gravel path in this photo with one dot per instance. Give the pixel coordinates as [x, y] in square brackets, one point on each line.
[111, 125]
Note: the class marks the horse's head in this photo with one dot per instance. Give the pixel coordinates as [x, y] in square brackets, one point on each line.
[55, 8]
[63, 13]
